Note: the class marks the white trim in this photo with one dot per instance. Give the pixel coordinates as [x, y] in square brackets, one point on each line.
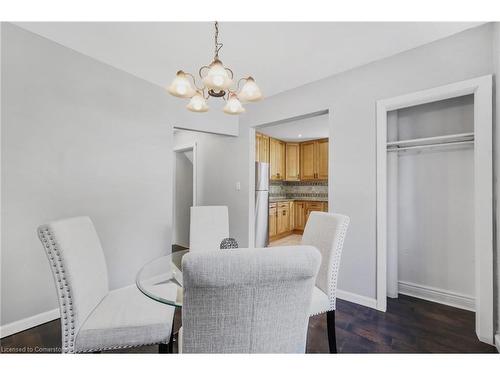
[193, 146]
[497, 341]
[481, 88]
[438, 295]
[357, 298]
[30, 322]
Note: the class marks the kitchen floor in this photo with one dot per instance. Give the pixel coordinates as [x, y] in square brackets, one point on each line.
[291, 240]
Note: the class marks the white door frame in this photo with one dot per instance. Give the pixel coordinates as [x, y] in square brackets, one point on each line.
[481, 88]
[193, 146]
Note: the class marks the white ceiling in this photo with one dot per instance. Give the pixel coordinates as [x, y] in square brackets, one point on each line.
[279, 55]
[300, 130]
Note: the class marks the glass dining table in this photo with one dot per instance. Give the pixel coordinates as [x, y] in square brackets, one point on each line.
[161, 279]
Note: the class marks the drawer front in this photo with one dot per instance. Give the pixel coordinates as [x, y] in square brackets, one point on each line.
[272, 205]
[283, 205]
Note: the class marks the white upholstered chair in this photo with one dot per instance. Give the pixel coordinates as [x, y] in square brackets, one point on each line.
[248, 300]
[93, 318]
[326, 231]
[209, 225]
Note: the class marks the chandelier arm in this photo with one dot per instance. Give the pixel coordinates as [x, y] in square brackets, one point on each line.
[201, 69]
[194, 81]
[230, 71]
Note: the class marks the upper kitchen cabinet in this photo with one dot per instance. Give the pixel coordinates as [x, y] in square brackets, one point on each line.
[323, 159]
[314, 160]
[277, 159]
[261, 148]
[292, 163]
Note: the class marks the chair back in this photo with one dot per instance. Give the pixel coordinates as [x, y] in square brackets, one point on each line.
[326, 232]
[209, 226]
[79, 269]
[248, 300]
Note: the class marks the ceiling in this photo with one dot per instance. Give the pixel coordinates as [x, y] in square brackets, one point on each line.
[279, 55]
[300, 130]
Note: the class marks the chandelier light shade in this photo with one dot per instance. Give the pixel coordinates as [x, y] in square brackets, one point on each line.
[180, 86]
[250, 92]
[218, 82]
[197, 103]
[233, 105]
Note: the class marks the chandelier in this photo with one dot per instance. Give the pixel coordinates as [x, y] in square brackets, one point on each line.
[218, 82]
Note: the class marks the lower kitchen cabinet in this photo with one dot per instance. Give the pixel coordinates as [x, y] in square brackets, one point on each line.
[272, 220]
[291, 216]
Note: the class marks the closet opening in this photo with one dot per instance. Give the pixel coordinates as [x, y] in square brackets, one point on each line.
[430, 202]
[434, 199]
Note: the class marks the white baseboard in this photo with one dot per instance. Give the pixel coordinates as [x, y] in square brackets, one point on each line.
[30, 322]
[444, 297]
[356, 298]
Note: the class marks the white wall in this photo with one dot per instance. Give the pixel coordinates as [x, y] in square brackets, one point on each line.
[436, 200]
[219, 167]
[351, 96]
[78, 138]
[183, 197]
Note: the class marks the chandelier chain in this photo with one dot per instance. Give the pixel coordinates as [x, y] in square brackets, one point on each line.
[218, 45]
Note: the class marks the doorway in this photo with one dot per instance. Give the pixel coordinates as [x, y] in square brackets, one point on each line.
[480, 137]
[184, 193]
[295, 153]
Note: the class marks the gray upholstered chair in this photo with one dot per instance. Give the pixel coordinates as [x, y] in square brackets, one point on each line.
[209, 225]
[93, 318]
[326, 232]
[248, 300]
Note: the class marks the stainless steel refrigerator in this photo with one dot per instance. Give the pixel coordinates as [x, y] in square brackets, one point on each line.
[261, 204]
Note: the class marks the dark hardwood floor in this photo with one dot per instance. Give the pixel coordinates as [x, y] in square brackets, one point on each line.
[410, 325]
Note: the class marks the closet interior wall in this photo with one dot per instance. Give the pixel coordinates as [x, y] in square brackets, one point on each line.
[430, 246]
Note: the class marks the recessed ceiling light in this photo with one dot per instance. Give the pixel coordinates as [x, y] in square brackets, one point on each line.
[300, 135]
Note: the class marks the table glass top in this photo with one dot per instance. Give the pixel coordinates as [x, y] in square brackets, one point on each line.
[161, 279]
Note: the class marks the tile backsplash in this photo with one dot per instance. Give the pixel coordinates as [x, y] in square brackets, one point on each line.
[298, 189]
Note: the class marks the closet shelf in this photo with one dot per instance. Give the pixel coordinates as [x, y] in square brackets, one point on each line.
[442, 139]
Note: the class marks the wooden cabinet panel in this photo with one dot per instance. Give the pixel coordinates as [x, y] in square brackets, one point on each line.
[277, 159]
[283, 219]
[300, 215]
[261, 148]
[307, 160]
[272, 220]
[292, 215]
[322, 172]
[292, 164]
[314, 160]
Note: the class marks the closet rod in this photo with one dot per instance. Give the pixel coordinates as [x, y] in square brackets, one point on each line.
[429, 146]
[449, 138]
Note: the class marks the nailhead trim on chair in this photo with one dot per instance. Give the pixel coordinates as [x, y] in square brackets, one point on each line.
[119, 347]
[335, 263]
[63, 288]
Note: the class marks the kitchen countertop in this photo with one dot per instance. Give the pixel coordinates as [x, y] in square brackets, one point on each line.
[312, 199]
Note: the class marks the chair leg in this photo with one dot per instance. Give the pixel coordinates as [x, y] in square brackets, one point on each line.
[169, 347]
[330, 324]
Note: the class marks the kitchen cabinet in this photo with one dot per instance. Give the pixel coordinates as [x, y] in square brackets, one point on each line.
[314, 160]
[300, 215]
[302, 210]
[292, 161]
[322, 159]
[277, 159]
[272, 220]
[291, 216]
[261, 148]
[283, 218]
